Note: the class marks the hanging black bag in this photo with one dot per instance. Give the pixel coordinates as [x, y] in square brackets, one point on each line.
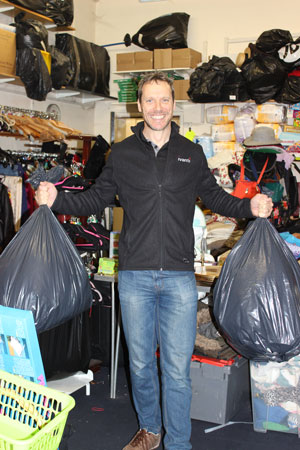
[41, 271]
[257, 296]
[168, 31]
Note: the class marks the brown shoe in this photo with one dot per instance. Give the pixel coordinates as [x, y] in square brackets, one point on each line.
[144, 440]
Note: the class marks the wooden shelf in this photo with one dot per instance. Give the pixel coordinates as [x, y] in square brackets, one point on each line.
[11, 79]
[10, 9]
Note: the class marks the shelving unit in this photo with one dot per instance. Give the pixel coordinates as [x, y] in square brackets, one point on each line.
[10, 9]
[13, 83]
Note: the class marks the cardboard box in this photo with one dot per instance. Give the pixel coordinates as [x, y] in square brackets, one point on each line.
[143, 60]
[162, 58]
[185, 58]
[219, 388]
[135, 61]
[7, 52]
[125, 61]
[181, 87]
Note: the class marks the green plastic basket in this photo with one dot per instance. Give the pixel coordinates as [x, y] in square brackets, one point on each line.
[32, 417]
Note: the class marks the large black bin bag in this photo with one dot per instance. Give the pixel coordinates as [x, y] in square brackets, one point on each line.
[41, 271]
[257, 296]
[168, 31]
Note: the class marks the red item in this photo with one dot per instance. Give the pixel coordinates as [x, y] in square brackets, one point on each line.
[247, 189]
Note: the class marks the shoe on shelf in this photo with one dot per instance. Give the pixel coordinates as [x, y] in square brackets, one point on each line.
[144, 440]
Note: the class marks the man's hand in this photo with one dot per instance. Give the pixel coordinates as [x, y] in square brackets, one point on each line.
[46, 193]
[261, 205]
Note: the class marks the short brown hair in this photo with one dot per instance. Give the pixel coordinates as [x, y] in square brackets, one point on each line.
[155, 76]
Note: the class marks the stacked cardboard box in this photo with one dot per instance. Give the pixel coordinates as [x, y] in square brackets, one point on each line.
[7, 52]
[127, 62]
[181, 58]
[166, 58]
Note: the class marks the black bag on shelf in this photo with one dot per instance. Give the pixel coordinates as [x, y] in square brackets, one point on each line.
[168, 31]
[30, 33]
[264, 75]
[41, 271]
[32, 69]
[271, 41]
[60, 11]
[216, 81]
[90, 63]
[61, 68]
[290, 92]
[257, 296]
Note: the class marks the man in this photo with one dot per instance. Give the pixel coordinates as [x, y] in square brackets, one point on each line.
[158, 174]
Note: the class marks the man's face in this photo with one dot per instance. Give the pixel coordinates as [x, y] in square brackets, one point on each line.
[157, 105]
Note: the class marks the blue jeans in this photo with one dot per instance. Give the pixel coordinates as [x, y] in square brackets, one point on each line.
[160, 308]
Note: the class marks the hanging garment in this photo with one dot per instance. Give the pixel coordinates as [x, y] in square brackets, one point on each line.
[15, 189]
[7, 228]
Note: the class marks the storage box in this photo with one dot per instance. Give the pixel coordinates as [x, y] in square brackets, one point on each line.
[275, 395]
[219, 387]
[125, 61]
[180, 88]
[162, 58]
[135, 61]
[185, 58]
[143, 60]
[7, 52]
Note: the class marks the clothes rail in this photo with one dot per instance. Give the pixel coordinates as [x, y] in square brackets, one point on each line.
[29, 112]
[32, 154]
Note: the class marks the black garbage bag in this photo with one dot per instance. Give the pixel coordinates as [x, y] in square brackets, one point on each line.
[61, 68]
[257, 296]
[32, 69]
[290, 92]
[289, 55]
[264, 75]
[271, 41]
[60, 11]
[41, 271]
[30, 33]
[90, 63]
[217, 80]
[168, 31]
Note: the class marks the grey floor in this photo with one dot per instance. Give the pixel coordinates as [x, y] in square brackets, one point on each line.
[100, 423]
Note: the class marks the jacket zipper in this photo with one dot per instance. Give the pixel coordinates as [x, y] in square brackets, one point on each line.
[161, 226]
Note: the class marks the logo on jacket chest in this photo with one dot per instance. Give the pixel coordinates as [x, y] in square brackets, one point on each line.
[184, 160]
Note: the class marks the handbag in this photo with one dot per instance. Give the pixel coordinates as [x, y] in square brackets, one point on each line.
[245, 188]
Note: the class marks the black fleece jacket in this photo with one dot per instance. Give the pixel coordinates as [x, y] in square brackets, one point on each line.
[157, 228]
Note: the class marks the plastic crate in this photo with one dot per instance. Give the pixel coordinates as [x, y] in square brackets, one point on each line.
[275, 395]
[32, 416]
[219, 388]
